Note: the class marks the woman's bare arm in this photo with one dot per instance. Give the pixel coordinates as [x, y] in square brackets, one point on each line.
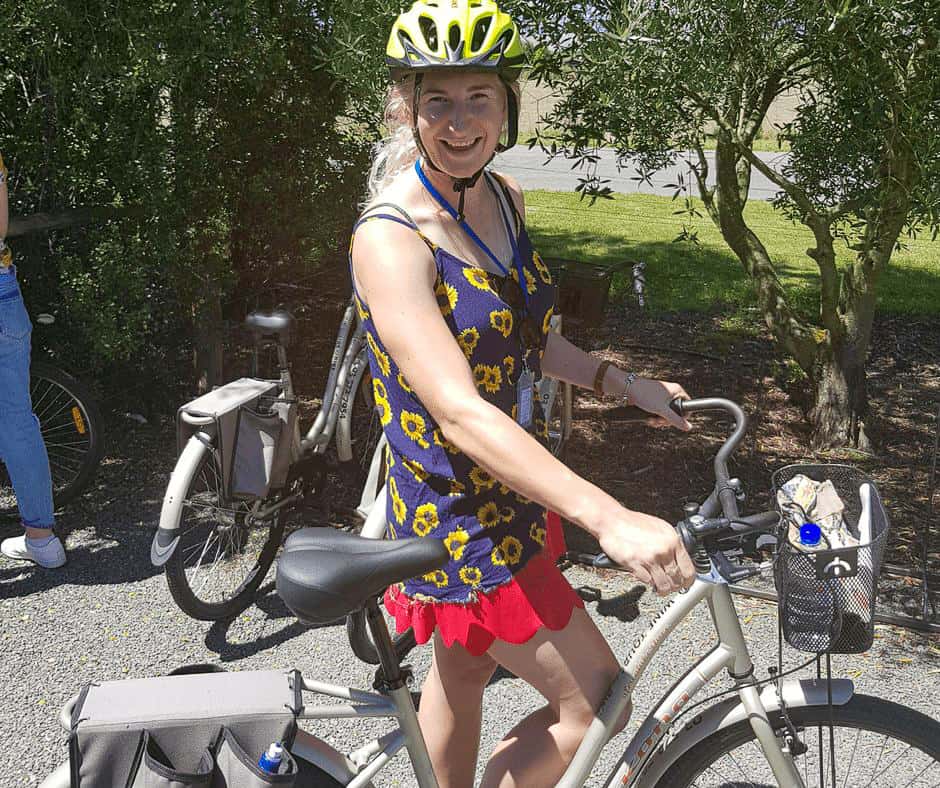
[395, 275]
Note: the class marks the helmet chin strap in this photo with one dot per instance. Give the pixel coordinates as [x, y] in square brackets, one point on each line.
[460, 184]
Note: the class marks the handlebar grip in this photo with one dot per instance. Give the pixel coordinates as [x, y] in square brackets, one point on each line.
[633, 413]
[689, 542]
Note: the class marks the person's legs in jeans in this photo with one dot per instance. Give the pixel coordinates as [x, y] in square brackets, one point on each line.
[21, 446]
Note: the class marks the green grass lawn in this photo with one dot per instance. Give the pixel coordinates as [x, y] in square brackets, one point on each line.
[683, 276]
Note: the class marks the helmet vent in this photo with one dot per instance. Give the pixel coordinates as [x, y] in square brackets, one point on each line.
[503, 41]
[453, 37]
[429, 31]
[480, 30]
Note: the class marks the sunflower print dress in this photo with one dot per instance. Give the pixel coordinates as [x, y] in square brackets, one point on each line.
[434, 489]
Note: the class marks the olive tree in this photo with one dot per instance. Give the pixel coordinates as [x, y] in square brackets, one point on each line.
[651, 77]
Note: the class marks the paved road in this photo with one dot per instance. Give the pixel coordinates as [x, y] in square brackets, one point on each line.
[533, 171]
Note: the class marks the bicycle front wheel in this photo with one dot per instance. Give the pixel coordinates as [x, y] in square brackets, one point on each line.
[223, 554]
[874, 742]
[71, 428]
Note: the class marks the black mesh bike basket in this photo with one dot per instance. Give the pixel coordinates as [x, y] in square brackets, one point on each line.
[826, 599]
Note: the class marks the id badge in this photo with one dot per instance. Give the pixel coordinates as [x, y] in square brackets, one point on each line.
[524, 397]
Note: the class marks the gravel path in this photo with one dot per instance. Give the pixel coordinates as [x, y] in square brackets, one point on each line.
[107, 615]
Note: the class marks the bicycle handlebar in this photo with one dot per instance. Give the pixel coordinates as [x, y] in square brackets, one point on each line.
[707, 523]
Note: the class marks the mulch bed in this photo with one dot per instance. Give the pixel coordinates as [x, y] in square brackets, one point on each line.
[657, 470]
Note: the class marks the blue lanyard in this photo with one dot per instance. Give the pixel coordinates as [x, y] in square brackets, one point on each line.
[517, 258]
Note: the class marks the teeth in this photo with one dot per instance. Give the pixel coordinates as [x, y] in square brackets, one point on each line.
[462, 144]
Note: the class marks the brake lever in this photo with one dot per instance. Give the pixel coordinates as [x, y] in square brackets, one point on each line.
[730, 572]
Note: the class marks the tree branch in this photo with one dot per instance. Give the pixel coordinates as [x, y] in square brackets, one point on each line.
[701, 176]
[75, 217]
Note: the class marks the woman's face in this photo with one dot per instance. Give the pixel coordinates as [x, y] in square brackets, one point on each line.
[460, 116]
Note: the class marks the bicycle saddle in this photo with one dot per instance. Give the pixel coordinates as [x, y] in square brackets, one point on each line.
[276, 324]
[323, 574]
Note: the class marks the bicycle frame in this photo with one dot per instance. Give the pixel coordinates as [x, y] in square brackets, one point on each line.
[643, 763]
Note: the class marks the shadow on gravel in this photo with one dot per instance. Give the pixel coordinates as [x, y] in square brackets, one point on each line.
[108, 530]
[88, 565]
[270, 604]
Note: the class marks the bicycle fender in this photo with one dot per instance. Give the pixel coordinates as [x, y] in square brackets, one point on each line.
[167, 536]
[796, 693]
[60, 778]
[316, 751]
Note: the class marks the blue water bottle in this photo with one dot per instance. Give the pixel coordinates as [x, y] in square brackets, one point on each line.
[270, 760]
[810, 535]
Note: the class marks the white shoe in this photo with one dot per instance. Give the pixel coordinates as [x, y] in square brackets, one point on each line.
[48, 553]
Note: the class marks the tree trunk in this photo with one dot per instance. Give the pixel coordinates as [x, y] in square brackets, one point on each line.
[209, 343]
[841, 396]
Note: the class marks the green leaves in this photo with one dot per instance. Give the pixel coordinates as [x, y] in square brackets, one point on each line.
[216, 120]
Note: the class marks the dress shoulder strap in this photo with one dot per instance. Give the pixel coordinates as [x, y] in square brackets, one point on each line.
[507, 197]
[407, 221]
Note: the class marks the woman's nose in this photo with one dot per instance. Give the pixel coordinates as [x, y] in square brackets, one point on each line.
[458, 116]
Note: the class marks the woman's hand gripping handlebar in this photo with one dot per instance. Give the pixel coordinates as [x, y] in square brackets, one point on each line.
[645, 545]
[699, 533]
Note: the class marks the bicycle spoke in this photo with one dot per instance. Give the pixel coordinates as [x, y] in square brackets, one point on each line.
[220, 554]
[863, 757]
[911, 781]
[42, 410]
[66, 447]
[740, 768]
[848, 771]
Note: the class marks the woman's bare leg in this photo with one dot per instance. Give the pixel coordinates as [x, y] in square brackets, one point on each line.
[573, 669]
[450, 711]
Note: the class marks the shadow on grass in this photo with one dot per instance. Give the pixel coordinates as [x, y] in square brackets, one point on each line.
[705, 277]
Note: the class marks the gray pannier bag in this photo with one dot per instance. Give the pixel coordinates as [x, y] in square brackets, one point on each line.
[155, 732]
[154, 770]
[236, 768]
[263, 436]
[220, 409]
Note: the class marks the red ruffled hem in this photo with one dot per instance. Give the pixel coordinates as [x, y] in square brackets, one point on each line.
[539, 596]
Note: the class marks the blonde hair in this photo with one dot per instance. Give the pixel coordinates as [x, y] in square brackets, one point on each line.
[398, 151]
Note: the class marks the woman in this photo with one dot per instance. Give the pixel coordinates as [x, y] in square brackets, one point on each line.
[456, 306]
[21, 446]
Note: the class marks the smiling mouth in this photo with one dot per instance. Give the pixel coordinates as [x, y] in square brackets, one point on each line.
[460, 147]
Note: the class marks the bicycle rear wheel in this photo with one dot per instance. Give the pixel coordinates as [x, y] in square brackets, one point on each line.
[876, 742]
[223, 556]
[71, 428]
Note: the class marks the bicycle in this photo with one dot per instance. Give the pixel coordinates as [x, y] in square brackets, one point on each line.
[778, 731]
[71, 428]
[216, 551]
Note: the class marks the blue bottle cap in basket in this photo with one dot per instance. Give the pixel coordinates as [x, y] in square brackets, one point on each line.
[810, 534]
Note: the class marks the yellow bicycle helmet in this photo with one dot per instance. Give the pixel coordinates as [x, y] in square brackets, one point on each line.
[465, 34]
[472, 35]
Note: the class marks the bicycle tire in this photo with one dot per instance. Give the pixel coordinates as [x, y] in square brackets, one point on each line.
[559, 419]
[72, 430]
[204, 494]
[364, 434]
[366, 426]
[312, 776]
[875, 717]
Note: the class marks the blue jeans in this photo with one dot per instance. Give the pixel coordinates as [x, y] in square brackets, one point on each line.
[21, 446]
